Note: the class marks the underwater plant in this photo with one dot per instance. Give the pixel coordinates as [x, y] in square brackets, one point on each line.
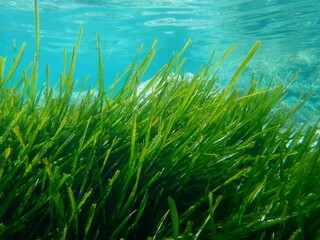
[179, 158]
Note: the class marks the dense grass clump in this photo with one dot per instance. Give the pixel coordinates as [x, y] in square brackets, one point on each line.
[179, 158]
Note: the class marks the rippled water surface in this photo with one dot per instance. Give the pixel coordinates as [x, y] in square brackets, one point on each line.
[289, 32]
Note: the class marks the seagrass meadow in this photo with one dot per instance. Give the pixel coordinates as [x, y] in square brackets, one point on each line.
[179, 158]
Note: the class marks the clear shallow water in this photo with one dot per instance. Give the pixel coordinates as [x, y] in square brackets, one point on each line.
[289, 32]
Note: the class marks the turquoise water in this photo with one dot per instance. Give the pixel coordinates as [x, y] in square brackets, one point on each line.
[289, 32]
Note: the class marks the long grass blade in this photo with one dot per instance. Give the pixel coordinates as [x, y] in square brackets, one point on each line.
[174, 218]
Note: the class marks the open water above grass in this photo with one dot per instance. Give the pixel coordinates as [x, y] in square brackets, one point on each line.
[289, 32]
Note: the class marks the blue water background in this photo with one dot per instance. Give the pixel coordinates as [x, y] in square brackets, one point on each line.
[289, 32]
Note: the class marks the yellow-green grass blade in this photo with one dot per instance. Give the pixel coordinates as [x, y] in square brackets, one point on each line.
[12, 68]
[2, 67]
[212, 208]
[120, 229]
[89, 220]
[174, 218]
[197, 235]
[240, 69]
[101, 90]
